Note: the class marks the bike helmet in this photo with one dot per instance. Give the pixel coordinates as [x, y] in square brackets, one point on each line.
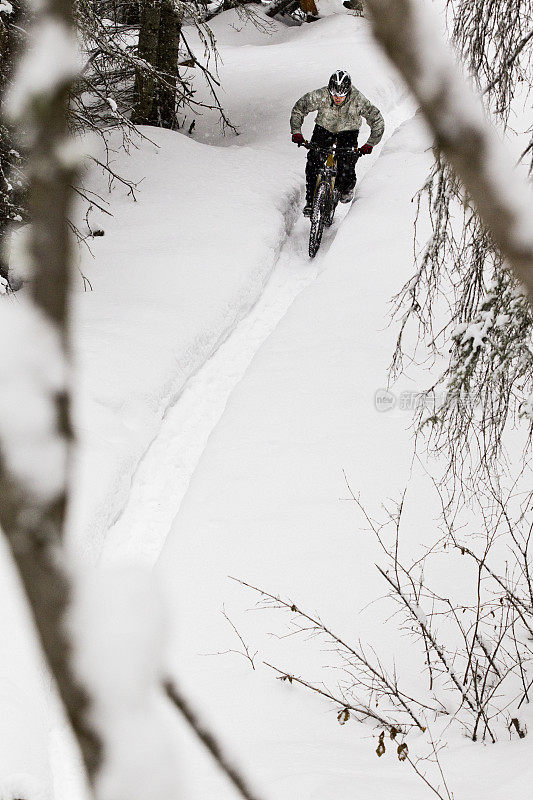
[340, 83]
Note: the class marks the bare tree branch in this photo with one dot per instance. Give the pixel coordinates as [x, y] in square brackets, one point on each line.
[411, 40]
[209, 740]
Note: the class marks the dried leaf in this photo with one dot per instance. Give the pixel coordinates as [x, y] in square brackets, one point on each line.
[402, 751]
[381, 745]
[343, 716]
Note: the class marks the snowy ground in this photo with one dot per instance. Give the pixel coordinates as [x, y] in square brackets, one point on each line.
[268, 503]
[165, 298]
[233, 465]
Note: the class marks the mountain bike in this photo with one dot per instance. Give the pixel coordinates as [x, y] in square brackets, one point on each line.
[325, 197]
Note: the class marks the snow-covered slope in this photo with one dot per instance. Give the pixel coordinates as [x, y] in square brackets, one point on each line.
[170, 278]
[269, 504]
[24, 697]
[175, 271]
[178, 268]
[173, 276]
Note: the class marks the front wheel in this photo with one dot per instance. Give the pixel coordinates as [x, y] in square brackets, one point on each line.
[332, 207]
[319, 216]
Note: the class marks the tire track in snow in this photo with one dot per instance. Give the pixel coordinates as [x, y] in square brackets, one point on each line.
[163, 475]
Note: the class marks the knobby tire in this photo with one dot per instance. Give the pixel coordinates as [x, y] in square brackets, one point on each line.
[331, 210]
[319, 215]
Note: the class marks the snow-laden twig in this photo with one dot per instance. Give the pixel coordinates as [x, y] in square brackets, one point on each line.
[422, 621]
[367, 670]
[509, 61]
[409, 34]
[363, 711]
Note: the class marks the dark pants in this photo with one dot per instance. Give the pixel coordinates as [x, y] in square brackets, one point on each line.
[346, 179]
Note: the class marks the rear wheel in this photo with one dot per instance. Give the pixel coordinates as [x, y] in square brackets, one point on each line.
[319, 215]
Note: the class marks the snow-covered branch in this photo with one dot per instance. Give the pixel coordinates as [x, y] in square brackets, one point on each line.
[409, 35]
[34, 399]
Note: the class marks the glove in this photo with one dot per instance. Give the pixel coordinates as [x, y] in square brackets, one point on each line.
[297, 138]
[366, 149]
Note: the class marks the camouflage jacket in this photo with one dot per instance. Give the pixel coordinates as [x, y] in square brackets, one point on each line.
[347, 117]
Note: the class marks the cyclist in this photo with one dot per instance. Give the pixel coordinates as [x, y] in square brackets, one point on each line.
[340, 109]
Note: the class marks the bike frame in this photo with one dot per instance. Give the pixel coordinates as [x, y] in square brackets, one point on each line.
[328, 170]
[325, 197]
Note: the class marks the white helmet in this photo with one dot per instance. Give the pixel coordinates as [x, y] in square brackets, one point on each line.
[340, 83]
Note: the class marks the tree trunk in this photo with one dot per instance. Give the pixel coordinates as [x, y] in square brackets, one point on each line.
[155, 92]
[8, 47]
[144, 89]
[35, 436]
[167, 61]
[129, 13]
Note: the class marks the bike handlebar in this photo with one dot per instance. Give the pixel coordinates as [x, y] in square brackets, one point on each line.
[314, 146]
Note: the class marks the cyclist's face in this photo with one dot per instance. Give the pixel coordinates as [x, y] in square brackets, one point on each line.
[338, 99]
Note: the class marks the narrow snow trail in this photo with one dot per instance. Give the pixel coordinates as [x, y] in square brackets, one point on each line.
[267, 171]
[164, 474]
[268, 504]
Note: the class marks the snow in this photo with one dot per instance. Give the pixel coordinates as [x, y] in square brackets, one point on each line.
[435, 76]
[28, 430]
[154, 317]
[268, 502]
[188, 424]
[50, 61]
[24, 687]
[476, 332]
[119, 630]
[419, 614]
[225, 388]
[163, 300]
